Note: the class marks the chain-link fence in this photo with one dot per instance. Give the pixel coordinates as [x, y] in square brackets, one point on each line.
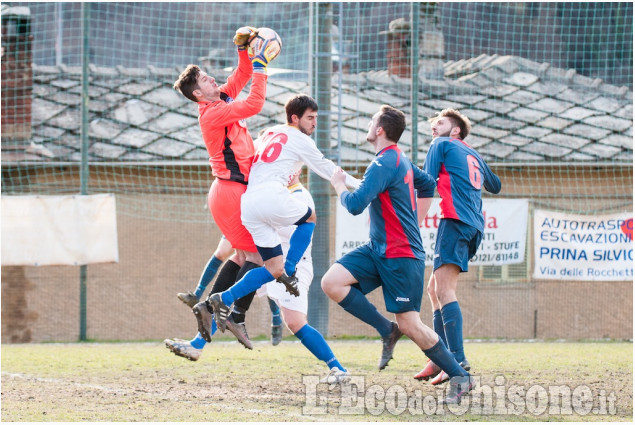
[548, 87]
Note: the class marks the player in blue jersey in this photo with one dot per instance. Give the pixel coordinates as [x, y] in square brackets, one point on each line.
[399, 195]
[461, 174]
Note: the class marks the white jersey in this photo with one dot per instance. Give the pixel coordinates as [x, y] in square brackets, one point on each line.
[281, 152]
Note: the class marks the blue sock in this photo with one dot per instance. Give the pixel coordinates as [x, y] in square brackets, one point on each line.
[445, 360]
[198, 341]
[437, 324]
[252, 280]
[275, 313]
[299, 242]
[453, 324]
[208, 274]
[317, 345]
[359, 306]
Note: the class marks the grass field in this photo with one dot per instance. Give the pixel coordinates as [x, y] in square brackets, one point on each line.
[145, 382]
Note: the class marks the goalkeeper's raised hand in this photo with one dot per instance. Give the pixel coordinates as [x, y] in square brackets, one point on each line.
[267, 53]
[243, 36]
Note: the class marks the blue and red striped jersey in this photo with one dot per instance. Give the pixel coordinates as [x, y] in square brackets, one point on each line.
[389, 187]
[460, 173]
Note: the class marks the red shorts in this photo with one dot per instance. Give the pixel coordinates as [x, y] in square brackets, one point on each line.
[223, 200]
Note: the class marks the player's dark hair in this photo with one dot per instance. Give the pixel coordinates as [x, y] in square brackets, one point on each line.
[298, 105]
[458, 120]
[393, 121]
[187, 83]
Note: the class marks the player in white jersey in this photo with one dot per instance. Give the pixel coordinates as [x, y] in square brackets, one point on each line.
[267, 205]
[294, 309]
[304, 271]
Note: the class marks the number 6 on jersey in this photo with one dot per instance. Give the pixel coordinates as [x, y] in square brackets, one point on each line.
[272, 143]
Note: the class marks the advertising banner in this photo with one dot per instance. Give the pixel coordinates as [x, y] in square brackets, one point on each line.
[581, 247]
[59, 230]
[504, 239]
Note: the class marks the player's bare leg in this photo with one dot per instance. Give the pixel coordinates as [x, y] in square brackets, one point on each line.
[337, 281]
[447, 279]
[275, 266]
[410, 324]
[337, 284]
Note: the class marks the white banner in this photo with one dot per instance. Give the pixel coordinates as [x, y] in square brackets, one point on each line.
[504, 238]
[581, 247]
[59, 230]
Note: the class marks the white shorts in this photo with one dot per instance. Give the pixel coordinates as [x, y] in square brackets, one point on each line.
[276, 290]
[268, 207]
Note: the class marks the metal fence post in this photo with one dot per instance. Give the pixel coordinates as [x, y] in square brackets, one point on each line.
[414, 73]
[318, 314]
[84, 162]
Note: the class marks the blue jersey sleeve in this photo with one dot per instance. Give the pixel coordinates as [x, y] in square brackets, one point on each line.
[491, 182]
[376, 179]
[423, 182]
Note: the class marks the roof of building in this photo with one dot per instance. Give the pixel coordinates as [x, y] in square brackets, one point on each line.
[522, 111]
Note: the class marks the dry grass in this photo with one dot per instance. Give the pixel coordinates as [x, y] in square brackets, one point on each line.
[144, 382]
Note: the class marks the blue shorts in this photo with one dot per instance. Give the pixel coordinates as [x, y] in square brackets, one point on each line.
[456, 243]
[401, 279]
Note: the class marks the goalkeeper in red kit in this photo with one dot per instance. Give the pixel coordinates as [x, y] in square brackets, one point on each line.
[231, 151]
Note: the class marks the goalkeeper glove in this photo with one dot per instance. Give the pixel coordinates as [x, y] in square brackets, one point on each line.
[266, 54]
[243, 36]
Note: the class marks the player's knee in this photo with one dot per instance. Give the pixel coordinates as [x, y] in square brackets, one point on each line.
[253, 257]
[224, 250]
[276, 269]
[275, 266]
[443, 294]
[406, 326]
[295, 324]
[329, 284]
[239, 257]
[326, 284]
[312, 218]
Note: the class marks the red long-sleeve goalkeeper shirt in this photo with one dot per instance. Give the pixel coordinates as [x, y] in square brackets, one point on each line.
[229, 144]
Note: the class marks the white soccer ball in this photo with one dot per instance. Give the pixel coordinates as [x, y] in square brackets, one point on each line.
[268, 41]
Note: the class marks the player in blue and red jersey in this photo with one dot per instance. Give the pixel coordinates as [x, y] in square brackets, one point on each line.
[461, 174]
[399, 195]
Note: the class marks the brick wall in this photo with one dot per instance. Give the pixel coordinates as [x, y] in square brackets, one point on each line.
[17, 78]
[135, 299]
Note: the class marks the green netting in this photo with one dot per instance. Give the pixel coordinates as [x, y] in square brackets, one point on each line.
[548, 87]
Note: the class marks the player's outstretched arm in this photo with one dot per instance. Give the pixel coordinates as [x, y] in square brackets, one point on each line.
[238, 79]
[323, 167]
[492, 183]
[228, 113]
[375, 181]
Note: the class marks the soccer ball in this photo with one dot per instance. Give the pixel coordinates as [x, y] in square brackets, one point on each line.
[268, 41]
